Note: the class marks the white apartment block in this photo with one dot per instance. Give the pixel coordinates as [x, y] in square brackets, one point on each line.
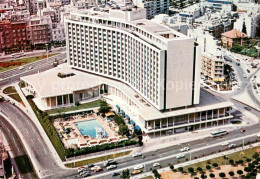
[149, 57]
[212, 66]
[153, 7]
[250, 21]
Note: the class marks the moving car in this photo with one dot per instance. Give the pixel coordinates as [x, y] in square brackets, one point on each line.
[81, 169]
[136, 172]
[86, 174]
[232, 146]
[247, 108]
[98, 169]
[111, 167]
[224, 143]
[21, 67]
[180, 156]
[136, 155]
[242, 130]
[30, 68]
[156, 164]
[137, 167]
[109, 162]
[185, 149]
[94, 168]
[90, 165]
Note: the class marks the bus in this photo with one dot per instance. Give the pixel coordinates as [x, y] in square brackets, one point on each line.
[17, 55]
[218, 133]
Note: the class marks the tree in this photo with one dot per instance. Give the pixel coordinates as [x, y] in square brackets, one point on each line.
[244, 27]
[247, 169]
[215, 165]
[123, 130]
[156, 173]
[222, 175]
[240, 172]
[208, 167]
[231, 162]
[180, 169]
[191, 170]
[199, 169]
[171, 167]
[231, 173]
[212, 175]
[203, 175]
[103, 107]
[256, 155]
[125, 174]
[248, 160]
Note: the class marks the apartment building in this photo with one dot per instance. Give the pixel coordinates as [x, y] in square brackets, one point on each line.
[232, 37]
[153, 7]
[39, 29]
[212, 66]
[12, 35]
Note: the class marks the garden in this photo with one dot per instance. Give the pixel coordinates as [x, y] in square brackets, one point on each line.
[247, 49]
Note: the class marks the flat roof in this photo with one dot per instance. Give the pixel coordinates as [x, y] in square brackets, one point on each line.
[48, 83]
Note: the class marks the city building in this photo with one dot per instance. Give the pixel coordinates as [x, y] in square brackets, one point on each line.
[39, 29]
[251, 22]
[233, 36]
[220, 4]
[12, 35]
[142, 67]
[58, 33]
[153, 7]
[212, 66]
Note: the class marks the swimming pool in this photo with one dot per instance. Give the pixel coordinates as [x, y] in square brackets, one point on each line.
[90, 127]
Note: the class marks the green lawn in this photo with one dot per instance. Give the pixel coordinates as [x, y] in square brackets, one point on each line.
[10, 89]
[148, 177]
[24, 61]
[24, 164]
[74, 108]
[98, 159]
[16, 97]
[221, 161]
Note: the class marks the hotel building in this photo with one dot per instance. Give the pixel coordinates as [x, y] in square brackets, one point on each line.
[143, 68]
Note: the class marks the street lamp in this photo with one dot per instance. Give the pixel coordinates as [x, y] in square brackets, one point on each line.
[47, 51]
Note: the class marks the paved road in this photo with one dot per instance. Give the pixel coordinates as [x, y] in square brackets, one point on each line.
[32, 54]
[161, 154]
[15, 145]
[38, 147]
[13, 75]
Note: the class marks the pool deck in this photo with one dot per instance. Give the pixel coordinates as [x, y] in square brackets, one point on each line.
[84, 141]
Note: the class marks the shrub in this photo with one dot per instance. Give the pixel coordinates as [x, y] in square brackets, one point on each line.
[180, 169]
[212, 175]
[222, 175]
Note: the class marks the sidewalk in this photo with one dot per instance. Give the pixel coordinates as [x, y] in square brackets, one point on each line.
[177, 139]
[201, 159]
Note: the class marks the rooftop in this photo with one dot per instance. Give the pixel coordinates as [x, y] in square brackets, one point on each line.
[233, 34]
[49, 84]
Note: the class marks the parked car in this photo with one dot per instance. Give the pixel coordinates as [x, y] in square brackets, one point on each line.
[224, 143]
[244, 75]
[30, 68]
[232, 146]
[115, 174]
[136, 155]
[156, 164]
[242, 130]
[258, 135]
[21, 68]
[136, 172]
[138, 167]
[180, 156]
[111, 167]
[185, 149]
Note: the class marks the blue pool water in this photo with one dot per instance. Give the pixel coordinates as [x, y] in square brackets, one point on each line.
[89, 128]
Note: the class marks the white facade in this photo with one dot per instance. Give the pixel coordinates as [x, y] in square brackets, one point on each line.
[250, 22]
[149, 57]
[58, 33]
[153, 7]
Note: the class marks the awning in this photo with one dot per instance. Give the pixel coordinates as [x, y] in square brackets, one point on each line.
[127, 116]
[137, 128]
[117, 107]
[132, 122]
[110, 114]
